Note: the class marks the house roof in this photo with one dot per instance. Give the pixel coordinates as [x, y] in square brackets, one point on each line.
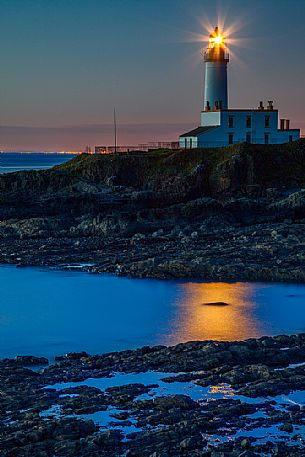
[232, 110]
[199, 131]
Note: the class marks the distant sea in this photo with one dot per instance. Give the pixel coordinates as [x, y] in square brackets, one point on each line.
[16, 161]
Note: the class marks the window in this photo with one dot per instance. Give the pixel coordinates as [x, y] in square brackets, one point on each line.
[248, 137]
[267, 122]
[231, 138]
[231, 122]
[248, 122]
[266, 138]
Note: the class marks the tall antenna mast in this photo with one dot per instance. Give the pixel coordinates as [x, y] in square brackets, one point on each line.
[115, 134]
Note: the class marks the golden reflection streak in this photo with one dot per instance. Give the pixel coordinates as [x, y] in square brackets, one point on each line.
[195, 320]
[222, 389]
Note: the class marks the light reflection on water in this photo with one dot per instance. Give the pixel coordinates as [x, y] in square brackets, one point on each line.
[48, 312]
[198, 319]
[253, 310]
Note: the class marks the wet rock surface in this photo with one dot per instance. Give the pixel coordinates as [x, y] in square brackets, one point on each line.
[208, 399]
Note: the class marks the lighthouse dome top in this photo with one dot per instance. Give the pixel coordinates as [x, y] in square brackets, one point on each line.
[216, 50]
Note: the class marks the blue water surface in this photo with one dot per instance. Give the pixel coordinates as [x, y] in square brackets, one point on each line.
[49, 312]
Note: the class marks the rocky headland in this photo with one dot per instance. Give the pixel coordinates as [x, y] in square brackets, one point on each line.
[229, 213]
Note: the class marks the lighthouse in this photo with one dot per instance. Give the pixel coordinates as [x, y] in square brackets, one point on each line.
[216, 58]
[223, 126]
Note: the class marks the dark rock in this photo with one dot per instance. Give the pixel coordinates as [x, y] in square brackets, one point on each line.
[109, 438]
[29, 360]
[218, 303]
[76, 355]
[286, 428]
[192, 442]
[174, 401]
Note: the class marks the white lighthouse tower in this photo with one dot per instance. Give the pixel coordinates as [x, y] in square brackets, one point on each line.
[216, 59]
[221, 126]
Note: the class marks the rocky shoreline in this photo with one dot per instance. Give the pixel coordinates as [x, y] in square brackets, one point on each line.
[206, 214]
[260, 252]
[205, 399]
[225, 214]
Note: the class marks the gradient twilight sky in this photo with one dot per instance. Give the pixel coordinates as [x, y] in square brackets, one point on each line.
[66, 63]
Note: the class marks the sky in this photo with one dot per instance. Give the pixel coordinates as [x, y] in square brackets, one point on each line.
[65, 65]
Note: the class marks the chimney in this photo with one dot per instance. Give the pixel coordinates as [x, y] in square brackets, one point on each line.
[270, 105]
[282, 124]
[261, 106]
[287, 122]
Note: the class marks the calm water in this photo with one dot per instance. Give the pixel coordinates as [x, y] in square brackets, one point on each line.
[16, 161]
[48, 312]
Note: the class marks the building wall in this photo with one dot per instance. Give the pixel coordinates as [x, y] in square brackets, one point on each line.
[257, 132]
[210, 118]
[189, 142]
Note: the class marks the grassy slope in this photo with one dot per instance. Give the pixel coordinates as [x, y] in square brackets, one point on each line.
[258, 164]
[139, 169]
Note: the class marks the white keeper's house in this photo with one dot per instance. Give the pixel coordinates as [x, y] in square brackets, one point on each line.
[221, 126]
